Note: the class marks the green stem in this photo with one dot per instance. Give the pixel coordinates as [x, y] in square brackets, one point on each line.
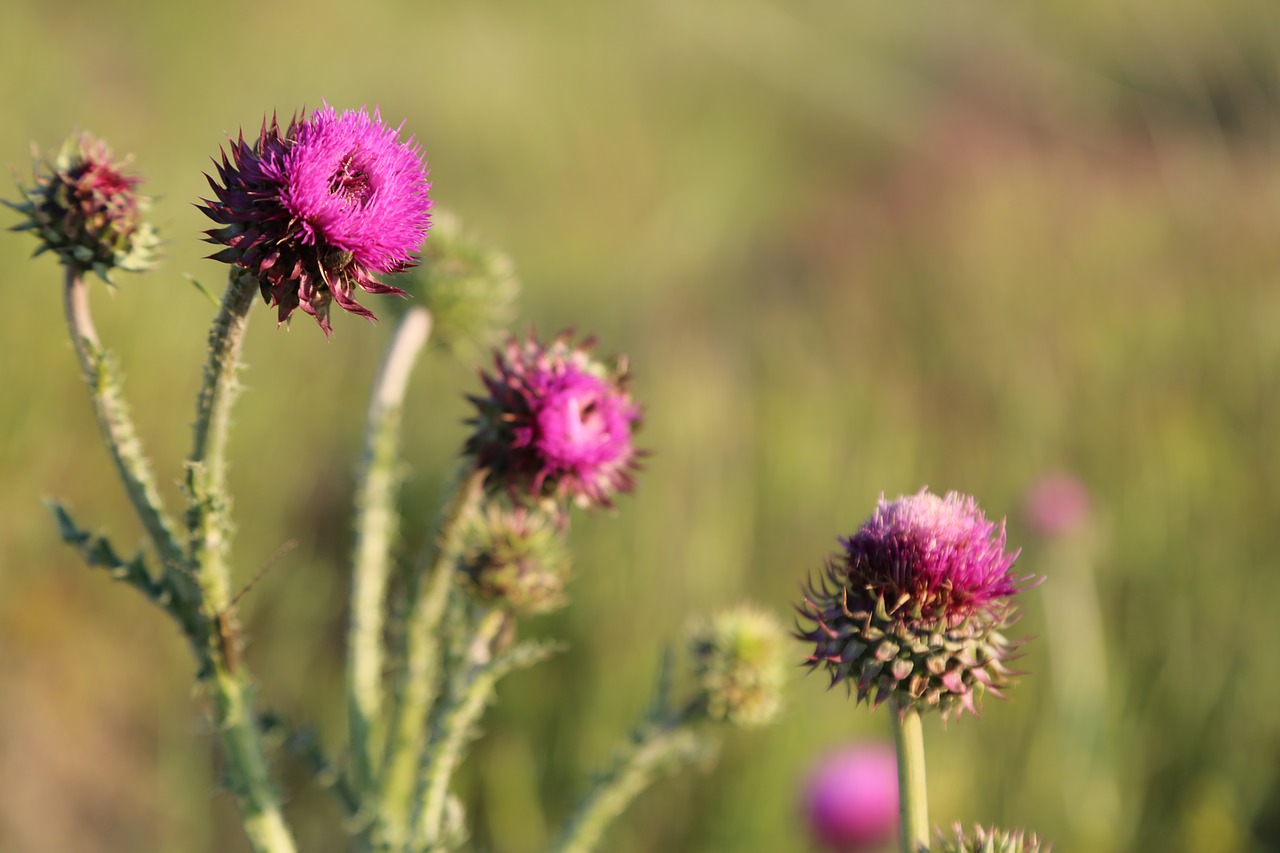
[913, 798]
[208, 520]
[659, 750]
[210, 530]
[117, 427]
[467, 701]
[428, 595]
[375, 528]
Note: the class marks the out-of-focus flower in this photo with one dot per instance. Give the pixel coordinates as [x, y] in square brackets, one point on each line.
[851, 798]
[915, 605]
[87, 211]
[515, 557]
[989, 841]
[556, 422]
[320, 208]
[739, 661]
[1056, 505]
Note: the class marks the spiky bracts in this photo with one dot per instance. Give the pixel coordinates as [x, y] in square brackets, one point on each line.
[739, 661]
[989, 841]
[320, 208]
[515, 557]
[556, 423]
[915, 606]
[86, 210]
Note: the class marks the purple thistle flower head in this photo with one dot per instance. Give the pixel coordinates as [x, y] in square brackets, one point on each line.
[940, 555]
[320, 208]
[914, 606]
[1057, 505]
[555, 423]
[850, 799]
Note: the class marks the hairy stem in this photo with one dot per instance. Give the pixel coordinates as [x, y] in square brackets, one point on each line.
[469, 694]
[428, 595]
[117, 429]
[209, 527]
[656, 751]
[913, 798]
[375, 529]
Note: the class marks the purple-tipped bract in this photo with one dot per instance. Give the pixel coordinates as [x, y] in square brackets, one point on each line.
[320, 208]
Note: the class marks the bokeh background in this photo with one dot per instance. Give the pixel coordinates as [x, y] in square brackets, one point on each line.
[850, 248]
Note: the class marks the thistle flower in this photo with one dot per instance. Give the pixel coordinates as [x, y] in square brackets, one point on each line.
[516, 557]
[851, 798]
[989, 841]
[738, 659]
[555, 423]
[915, 605]
[320, 208]
[1056, 505]
[87, 211]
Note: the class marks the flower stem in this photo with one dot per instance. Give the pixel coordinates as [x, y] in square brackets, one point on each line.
[117, 427]
[428, 595]
[655, 750]
[375, 528]
[913, 798]
[469, 695]
[210, 532]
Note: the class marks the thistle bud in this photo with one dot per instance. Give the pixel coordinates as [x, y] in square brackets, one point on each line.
[989, 841]
[915, 606]
[515, 557]
[87, 211]
[740, 667]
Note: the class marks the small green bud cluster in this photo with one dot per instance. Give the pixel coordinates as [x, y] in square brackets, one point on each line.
[739, 660]
[516, 557]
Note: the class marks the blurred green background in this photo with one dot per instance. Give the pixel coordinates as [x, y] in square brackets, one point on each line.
[849, 248]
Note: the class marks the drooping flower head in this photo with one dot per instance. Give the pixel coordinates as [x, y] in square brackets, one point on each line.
[740, 666]
[555, 423]
[914, 605]
[87, 211]
[320, 208]
[850, 799]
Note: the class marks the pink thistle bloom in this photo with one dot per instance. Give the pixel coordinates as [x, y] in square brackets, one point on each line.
[555, 423]
[1056, 505]
[915, 605]
[850, 799]
[320, 208]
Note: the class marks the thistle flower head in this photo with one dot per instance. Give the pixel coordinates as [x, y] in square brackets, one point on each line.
[914, 606]
[555, 423]
[989, 841]
[516, 557]
[850, 799]
[87, 211]
[739, 663]
[320, 208]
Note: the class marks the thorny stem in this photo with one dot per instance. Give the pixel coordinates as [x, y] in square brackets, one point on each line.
[210, 529]
[658, 749]
[913, 799]
[375, 529]
[118, 431]
[428, 595]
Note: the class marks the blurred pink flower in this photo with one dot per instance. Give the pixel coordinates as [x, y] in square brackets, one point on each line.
[1056, 505]
[851, 798]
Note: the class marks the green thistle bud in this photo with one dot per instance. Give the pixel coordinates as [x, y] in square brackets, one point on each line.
[739, 660]
[516, 557]
[469, 288]
[989, 841]
[86, 211]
